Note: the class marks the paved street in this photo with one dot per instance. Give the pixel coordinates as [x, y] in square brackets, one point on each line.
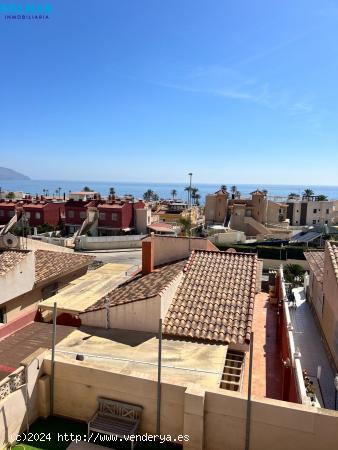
[120, 256]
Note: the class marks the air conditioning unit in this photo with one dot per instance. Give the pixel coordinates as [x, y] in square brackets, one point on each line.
[9, 241]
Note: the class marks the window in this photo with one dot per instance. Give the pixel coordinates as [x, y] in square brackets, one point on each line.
[11, 213]
[114, 217]
[102, 216]
[327, 211]
[314, 211]
[326, 222]
[27, 214]
[70, 214]
[38, 215]
[3, 314]
[2, 212]
[314, 222]
[83, 214]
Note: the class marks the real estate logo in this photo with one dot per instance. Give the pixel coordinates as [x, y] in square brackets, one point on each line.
[27, 11]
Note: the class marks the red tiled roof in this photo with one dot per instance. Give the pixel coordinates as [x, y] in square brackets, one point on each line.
[50, 264]
[215, 300]
[316, 263]
[333, 250]
[160, 226]
[141, 287]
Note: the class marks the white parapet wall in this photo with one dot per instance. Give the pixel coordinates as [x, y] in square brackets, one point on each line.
[109, 242]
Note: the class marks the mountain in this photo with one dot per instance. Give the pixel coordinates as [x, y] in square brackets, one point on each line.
[9, 174]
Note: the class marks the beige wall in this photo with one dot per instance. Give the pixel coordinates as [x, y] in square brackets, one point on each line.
[13, 418]
[34, 244]
[168, 249]
[142, 220]
[215, 210]
[215, 419]
[273, 213]
[275, 425]
[330, 309]
[259, 210]
[77, 388]
[142, 315]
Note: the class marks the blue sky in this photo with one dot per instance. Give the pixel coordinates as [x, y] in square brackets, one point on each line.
[146, 90]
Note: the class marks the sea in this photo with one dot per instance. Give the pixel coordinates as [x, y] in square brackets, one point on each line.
[163, 190]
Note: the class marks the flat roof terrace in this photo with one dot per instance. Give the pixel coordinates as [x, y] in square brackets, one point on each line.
[135, 353]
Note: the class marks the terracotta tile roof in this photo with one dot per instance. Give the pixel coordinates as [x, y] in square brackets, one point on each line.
[9, 259]
[333, 250]
[215, 300]
[141, 287]
[316, 263]
[50, 264]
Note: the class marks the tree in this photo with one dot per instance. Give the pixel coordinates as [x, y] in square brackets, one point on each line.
[224, 187]
[233, 191]
[173, 193]
[237, 194]
[293, 196]
[194, 191]
[188, 189]
[294, 274]
[197, 199]
[150, 196]
[186, 225]
[112, 191]
[322, 198]
[10, 195]
[265, 192]
[308, 193]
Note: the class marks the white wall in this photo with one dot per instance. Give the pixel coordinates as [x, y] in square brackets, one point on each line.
[109, 242]
[19, 280]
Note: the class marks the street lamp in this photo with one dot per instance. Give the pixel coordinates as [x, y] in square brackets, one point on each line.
[335, 391]
[190, 175]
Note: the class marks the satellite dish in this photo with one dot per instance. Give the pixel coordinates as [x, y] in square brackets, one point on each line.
[9, 240]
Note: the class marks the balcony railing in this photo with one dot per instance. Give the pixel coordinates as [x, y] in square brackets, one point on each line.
[12, 383]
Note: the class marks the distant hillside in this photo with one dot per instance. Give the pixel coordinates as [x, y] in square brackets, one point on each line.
[9, 174]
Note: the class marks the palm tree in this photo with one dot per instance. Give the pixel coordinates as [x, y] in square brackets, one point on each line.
[112, 191]
[173, 193]
[197, 199]
[87, 189]
[233, 191]
[224, 187]
[194, 191]
[186, 225]
[308, 193]
[188, 189]
[265, 192]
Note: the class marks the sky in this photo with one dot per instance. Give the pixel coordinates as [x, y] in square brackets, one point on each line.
[145, 90]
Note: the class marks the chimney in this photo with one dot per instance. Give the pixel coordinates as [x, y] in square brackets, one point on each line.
[148, 255]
